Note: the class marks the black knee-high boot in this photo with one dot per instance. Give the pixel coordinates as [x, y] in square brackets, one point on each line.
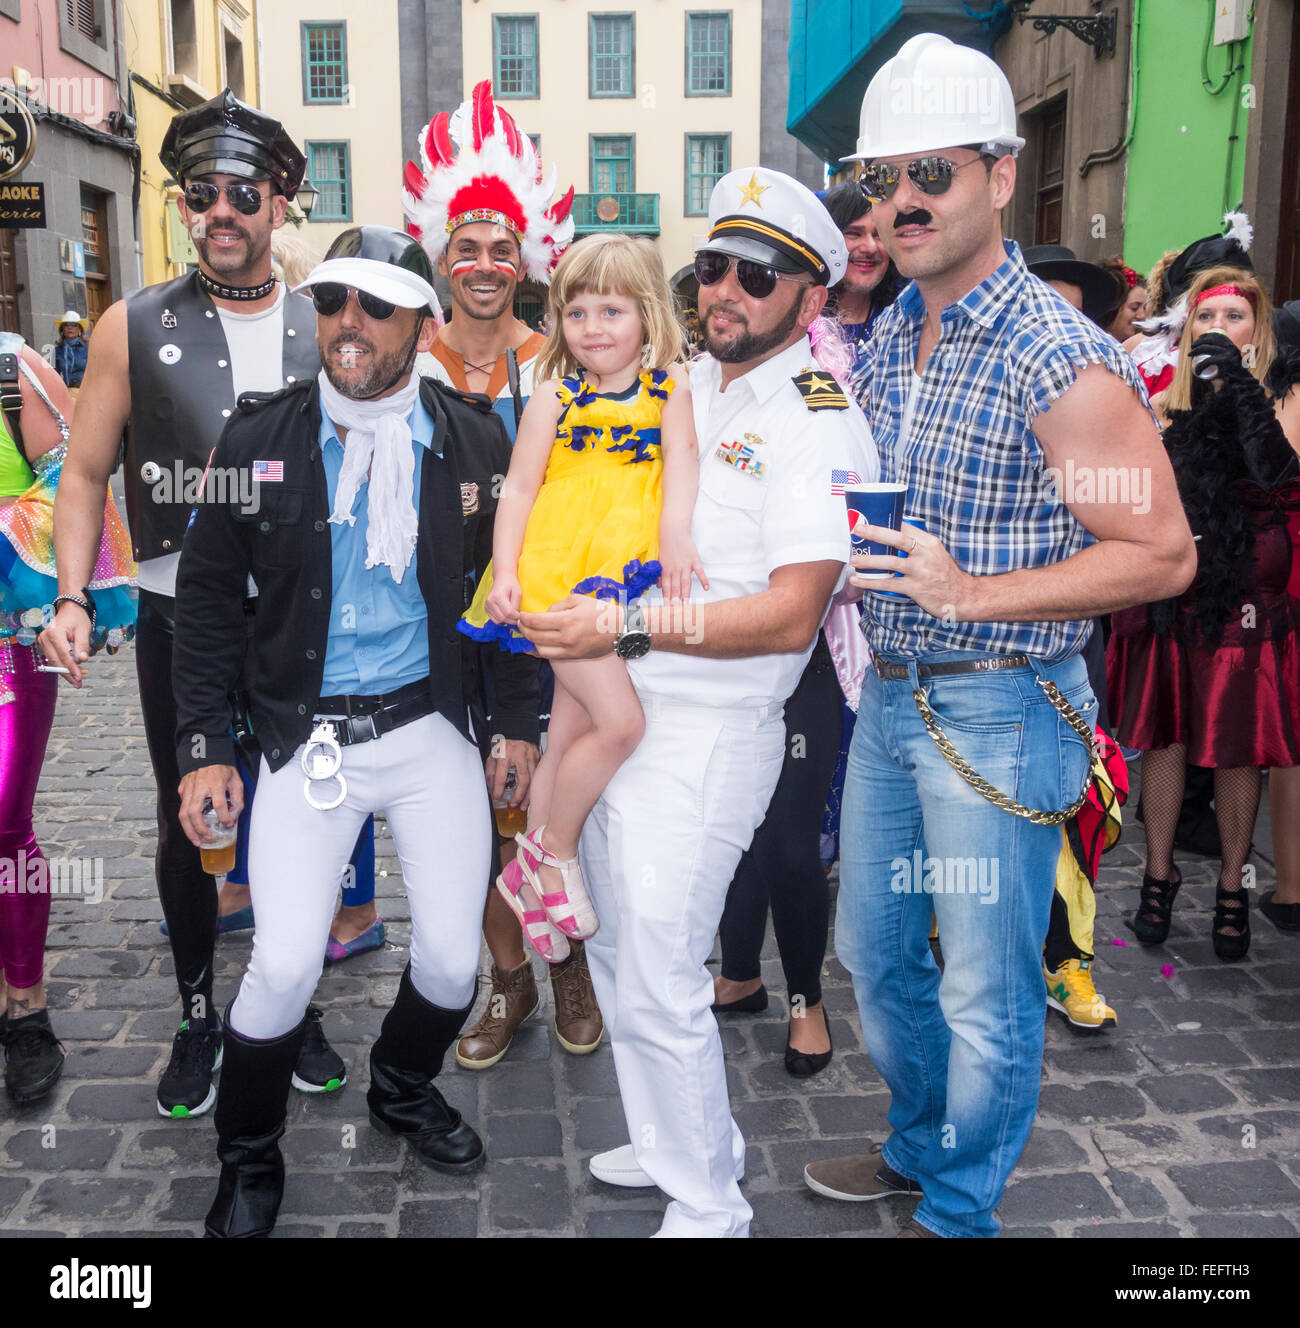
[250, 1118]
[402, 1099]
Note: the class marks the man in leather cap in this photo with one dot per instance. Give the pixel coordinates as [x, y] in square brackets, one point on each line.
[166, 365]
[378, 492]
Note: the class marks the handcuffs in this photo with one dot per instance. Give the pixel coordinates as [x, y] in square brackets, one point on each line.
[321, 761]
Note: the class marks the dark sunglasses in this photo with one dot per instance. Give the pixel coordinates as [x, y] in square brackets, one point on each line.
[929, 175]
[244, 198]
[755, 279]
[331, 296]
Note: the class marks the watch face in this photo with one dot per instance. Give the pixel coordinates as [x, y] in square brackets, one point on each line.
[632, 645]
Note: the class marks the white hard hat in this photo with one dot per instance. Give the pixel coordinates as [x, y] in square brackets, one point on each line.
[936, 94]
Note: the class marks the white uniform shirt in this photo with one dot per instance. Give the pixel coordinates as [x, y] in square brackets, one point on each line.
[747, 525]
[256, 343]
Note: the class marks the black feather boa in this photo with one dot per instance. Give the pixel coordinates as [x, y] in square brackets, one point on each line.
[1212, 447]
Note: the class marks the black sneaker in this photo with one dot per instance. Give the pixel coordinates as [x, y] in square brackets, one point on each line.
[320, 1067]
[33, 1057]
[186, 1086]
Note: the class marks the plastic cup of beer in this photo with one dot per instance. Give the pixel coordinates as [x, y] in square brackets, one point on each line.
[511, 821]
[218, 852]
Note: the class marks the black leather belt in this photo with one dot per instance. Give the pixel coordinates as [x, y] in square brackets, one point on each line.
[892, 672]
[361, 718]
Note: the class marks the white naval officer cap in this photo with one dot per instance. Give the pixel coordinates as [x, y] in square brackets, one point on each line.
[770, 218]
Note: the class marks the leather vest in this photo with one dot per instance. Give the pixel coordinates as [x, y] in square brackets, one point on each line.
[182, 393]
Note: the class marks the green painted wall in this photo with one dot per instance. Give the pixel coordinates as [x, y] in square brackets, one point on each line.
[1178, 161]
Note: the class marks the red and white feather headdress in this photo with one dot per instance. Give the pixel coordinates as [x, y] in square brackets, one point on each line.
[479, 166]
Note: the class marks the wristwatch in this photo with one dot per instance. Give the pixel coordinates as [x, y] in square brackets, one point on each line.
[633, 641]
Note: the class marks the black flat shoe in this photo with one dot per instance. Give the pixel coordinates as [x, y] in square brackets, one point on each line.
[805, 1064]
[1285, 917]
[754, 1003]
[1151, 922]
[1231, 909]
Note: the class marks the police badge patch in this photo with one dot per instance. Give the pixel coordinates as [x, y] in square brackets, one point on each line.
[468, 499]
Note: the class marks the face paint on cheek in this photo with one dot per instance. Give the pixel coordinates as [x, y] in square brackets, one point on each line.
[506, 266]
[462, 265]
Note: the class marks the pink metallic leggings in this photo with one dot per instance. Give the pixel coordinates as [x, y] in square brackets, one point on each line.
[25, 724]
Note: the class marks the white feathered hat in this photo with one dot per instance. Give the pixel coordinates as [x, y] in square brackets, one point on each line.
[479, 166]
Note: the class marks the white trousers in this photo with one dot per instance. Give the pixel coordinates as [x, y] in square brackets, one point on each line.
[428, 781]
[658, 853]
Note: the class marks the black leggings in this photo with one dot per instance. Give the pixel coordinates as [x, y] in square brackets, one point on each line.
[187, 892]
[783, 865]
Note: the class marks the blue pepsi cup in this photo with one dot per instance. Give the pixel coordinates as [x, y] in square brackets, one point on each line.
[877, 504]
[917, 523]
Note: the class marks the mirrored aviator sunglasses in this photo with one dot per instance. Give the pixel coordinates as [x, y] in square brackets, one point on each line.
[246, 199]
[928, 175]
[755, 279]
[329, 297]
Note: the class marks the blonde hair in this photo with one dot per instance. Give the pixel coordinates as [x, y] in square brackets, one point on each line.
[294, 257]
[1178, 395]
[1155, 283]
[613, 264]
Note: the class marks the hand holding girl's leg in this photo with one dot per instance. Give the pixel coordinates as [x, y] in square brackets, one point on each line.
[602, 690]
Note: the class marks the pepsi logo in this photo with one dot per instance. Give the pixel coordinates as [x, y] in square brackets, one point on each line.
[858, 524]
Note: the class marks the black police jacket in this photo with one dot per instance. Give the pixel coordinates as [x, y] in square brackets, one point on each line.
[286, 546]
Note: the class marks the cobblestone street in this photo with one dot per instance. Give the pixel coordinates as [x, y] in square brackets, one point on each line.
[1185, 1120]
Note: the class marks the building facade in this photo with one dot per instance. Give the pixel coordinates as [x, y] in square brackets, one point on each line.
[642, 106]
[181, 53]
[335, 91]
[67, 65]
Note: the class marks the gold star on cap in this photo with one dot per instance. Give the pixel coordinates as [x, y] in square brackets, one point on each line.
[750, 193]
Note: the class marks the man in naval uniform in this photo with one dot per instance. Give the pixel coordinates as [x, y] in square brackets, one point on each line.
[166, 366]
[662, 844]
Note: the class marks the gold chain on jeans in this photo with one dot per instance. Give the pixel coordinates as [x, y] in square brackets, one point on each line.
[983, 787]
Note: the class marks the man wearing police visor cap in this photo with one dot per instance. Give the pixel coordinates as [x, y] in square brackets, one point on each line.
[165, 367]
[377, 505]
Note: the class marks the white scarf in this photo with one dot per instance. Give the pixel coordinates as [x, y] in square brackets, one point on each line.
[378, 444]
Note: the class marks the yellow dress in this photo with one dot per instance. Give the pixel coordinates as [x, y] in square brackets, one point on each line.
[594, 528]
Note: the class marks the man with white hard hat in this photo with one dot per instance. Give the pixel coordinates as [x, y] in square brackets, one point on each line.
[360, 545]
[973, 741]
[713, 675]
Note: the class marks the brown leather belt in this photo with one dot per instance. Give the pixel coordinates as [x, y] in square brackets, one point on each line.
[891, 671]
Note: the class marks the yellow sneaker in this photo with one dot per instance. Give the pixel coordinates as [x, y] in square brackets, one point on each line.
[1070, 990]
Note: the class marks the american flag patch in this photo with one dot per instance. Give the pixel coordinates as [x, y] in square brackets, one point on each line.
[839, 478]
[268, 472]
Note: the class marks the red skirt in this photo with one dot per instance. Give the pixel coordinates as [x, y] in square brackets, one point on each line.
[1238, 705]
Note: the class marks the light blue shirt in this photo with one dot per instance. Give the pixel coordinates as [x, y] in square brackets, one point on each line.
[379, 634]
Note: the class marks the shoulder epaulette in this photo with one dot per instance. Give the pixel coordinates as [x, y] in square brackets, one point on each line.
[820, 391]
[478, 400]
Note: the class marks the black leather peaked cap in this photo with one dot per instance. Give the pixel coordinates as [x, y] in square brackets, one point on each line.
[1212, 251]
[383, 244]
[226, 137]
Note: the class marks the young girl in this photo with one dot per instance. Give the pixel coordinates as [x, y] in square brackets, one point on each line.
[598, 502]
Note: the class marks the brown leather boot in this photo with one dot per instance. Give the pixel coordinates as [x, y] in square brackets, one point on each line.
[578, 1022]
[512, 1000]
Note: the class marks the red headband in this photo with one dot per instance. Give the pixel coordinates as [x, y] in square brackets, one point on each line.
[1225, 290]
[1131, 277]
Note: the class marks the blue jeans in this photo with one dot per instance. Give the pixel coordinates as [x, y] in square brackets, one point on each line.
[961, 1052]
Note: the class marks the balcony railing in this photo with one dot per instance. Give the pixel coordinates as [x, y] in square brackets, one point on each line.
[636, 213]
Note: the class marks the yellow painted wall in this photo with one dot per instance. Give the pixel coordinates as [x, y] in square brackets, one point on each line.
[660, 116]
[148, 54]
[372, 123]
